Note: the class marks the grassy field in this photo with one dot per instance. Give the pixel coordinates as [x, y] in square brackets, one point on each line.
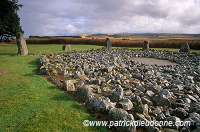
[30, 103]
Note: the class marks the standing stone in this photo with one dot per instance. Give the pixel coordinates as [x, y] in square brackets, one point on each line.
[146, 45]
[108, 44]
[184, 47]
[21, 43]
[66, 47]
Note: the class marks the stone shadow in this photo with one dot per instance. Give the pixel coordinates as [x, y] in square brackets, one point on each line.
[6, 54]
[61, 96]
[33, 64]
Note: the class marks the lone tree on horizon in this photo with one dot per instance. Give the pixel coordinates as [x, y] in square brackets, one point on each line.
[9, 19]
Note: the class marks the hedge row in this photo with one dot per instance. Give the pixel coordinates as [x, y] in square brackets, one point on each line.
[194, 44]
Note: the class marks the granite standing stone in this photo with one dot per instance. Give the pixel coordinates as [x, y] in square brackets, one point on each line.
[184, 47]
[146, 45]
[21, 43]
[108, 44]
[66, 47]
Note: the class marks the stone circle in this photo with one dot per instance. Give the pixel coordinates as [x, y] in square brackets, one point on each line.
[111, 82]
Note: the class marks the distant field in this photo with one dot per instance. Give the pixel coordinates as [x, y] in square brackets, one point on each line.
[144, 36]
[130, 36]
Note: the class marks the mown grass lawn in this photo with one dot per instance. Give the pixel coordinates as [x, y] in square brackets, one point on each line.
[30, 103]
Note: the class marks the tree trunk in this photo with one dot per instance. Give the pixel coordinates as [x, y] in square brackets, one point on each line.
[1, 39]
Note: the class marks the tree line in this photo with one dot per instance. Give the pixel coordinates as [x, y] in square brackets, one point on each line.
[9, 19]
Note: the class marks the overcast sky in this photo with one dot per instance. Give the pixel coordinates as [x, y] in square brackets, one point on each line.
[67, 17]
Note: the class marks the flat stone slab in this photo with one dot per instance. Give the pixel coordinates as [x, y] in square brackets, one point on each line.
[153, 61]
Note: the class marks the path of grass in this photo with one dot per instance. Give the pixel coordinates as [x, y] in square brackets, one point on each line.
[30, 103]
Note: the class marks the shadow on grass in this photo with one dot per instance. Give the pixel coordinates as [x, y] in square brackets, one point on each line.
[7, 54]
[35, 66]
[75, 106]
[62, 97]
[52, 87]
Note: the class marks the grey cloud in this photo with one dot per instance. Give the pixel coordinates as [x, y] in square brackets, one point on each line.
[49, 17]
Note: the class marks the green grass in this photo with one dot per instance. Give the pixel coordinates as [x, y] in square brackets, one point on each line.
[30, 103]
[57, 48]
[9, 49]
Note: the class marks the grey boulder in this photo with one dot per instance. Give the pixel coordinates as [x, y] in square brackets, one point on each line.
[84, 93]
[100, 104]
[116, 114]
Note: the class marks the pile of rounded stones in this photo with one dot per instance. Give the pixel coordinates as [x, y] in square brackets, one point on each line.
[111, 83]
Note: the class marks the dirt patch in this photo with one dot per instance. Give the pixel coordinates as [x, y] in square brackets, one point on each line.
[153, 61]
[3, 73]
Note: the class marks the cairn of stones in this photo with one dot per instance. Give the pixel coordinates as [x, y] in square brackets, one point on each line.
[66, 47]
[146, 45]
[184, 47]
[108, 44]
[110, 83]
[21, 43]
